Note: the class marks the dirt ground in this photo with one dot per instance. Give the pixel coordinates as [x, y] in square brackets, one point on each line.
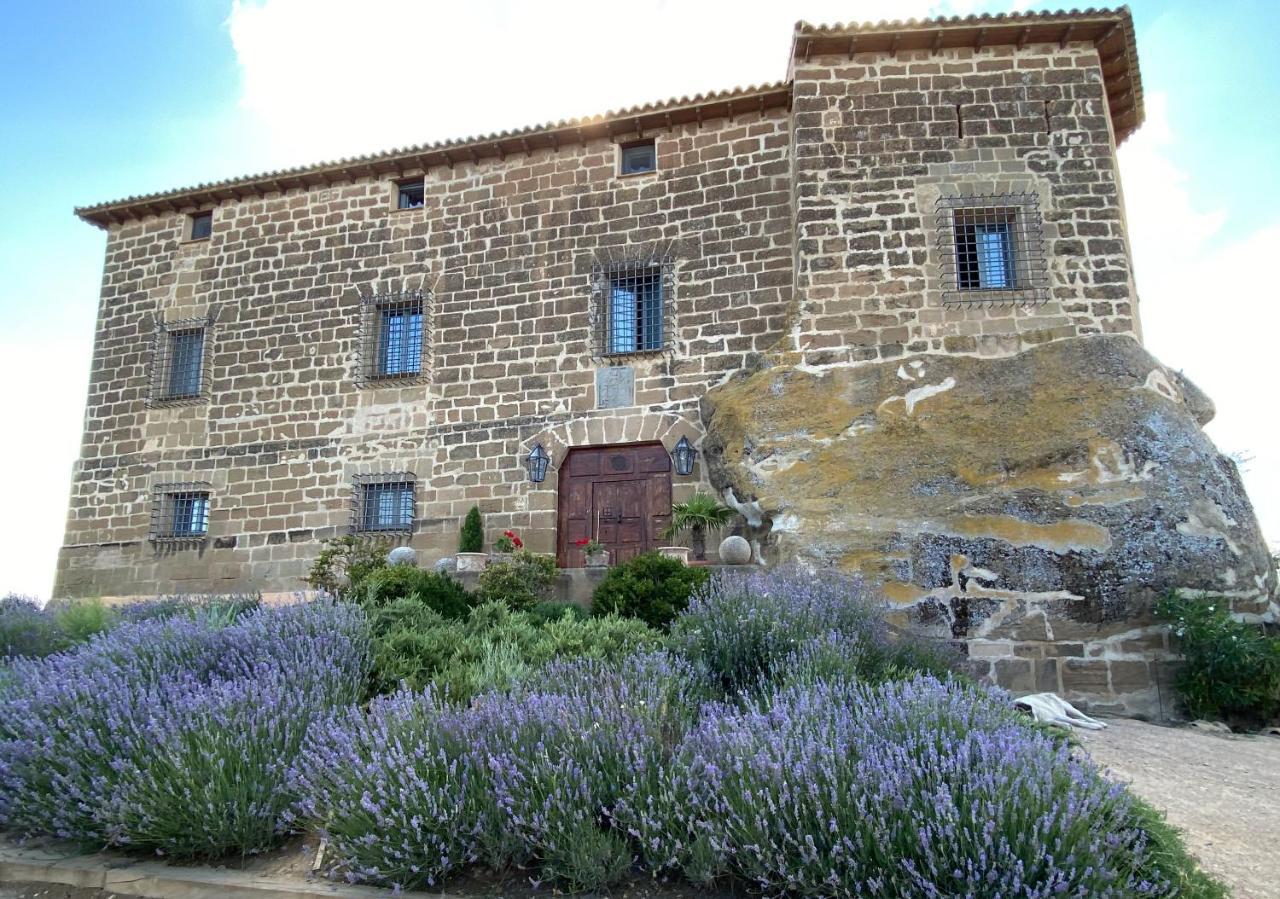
[1221, 790]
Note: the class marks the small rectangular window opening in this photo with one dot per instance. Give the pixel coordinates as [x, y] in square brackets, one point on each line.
[181, 512]
[410, 195]
[186, 363]
[635, 311]
[638, 157]
[991, 249]
[399, 340]
[384, 505]
[201, 225]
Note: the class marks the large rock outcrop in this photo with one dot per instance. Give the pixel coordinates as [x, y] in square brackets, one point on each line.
[1033, 505]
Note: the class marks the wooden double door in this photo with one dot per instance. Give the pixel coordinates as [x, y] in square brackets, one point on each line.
[619, 494]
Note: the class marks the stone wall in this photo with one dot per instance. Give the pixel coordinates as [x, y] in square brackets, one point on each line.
[879, 136]
[505, 250]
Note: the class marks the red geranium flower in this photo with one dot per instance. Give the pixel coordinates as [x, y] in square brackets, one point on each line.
[583, 542]
[515, 540]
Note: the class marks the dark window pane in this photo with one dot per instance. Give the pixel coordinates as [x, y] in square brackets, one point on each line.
[189, 514]
[186, 357]
[400, 340]
[635, 311]
[412, 195]
[639, 158]
[387, 507]
[984, 249]
[201, 225]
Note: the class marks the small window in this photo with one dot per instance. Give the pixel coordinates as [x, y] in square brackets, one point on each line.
[393, 334]
[410, 195]
[180, 512]
[992, 249]
[201, 225]
[638, 158]
[178, 367]
[384, 503]
[632, 309]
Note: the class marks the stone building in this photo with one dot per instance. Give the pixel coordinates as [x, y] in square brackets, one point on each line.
[780, 275]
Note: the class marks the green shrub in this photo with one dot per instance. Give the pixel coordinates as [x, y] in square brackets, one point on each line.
[81, 619]
[438, 591]
[471, 540]
[493, 648]
[542, 612]
[344, 562]
[1231, 669]
[652, 587]
[521, 582]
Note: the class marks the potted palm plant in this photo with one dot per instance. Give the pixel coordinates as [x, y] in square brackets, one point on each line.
[697, 515]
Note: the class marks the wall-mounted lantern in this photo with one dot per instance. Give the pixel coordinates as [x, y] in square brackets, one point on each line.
[536, 463]
[684, 455]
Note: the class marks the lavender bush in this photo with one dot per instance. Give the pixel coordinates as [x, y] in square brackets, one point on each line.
[915, 788]
[748, 629]
[416, 787]
[173, 735]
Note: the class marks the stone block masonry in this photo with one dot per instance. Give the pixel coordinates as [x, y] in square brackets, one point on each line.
[889, 299]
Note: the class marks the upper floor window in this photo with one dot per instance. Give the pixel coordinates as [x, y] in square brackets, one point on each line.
[180, 512]
[178, 364]
[393, 337]
[201, 225]
[632, 307]
[410, 194]
[384, 503]
[992, 249]
[637, 157]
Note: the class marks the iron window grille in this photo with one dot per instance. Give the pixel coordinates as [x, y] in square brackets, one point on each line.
[384, 504]
[393, 336]
[632, 308]
[179, 361]
[991, 250]
[201, 225]
[180, 513]
[637, 157]
[411, 194]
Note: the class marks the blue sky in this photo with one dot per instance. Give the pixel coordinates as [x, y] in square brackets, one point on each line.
[98, 105]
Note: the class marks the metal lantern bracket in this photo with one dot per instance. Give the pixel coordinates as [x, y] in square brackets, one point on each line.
[684, 456]
[536, 464]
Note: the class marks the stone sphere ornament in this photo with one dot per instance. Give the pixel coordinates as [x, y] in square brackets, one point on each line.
[735, 550]
[402, 555]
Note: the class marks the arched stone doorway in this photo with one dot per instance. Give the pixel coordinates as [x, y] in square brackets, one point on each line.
[620, 494]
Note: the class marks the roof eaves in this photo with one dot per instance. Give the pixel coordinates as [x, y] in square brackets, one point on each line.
[633, 119]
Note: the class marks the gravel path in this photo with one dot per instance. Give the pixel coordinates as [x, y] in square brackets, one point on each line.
[1222, 790]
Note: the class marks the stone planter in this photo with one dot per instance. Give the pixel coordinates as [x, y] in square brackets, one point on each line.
[680, 553]
[472, 561]
[598, 560]
[735, 550]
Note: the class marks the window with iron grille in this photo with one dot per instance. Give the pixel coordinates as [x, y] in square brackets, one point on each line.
[201, 225]
[178, 365]
[991, 249]
[411, 194]
[393, 336]
[632, 308]
[384, 503]
[180, 512]
[637, 157]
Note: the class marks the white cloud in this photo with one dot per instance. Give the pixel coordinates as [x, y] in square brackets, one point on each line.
[1209, 305]
[326, 78]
